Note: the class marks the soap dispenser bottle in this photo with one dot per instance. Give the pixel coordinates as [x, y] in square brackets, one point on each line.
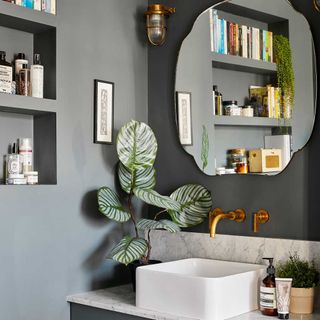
[268, 302]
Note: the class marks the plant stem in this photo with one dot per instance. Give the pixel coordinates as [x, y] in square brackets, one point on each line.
[158, 214]
[131, 210]
[149, 247]
[147, 257]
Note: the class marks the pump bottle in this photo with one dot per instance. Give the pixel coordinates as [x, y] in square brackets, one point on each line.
[268, 301]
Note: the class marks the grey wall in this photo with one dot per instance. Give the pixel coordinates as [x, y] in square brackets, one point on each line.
[291, 197]
[52, 240]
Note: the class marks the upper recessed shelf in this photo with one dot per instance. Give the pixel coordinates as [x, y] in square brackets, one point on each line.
[237, 63]
[250, 13]
[24, 19]
[249, 121]
[26, 105]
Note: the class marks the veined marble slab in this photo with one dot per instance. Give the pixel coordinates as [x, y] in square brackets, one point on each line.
[168, 246]
[119, 299]
[122, 299]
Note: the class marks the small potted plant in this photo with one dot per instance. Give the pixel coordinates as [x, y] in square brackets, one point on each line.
[188, 206]
[305, 278]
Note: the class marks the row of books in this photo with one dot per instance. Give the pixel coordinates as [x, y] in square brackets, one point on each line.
[269, 98]
[48, 6]
[240, 40]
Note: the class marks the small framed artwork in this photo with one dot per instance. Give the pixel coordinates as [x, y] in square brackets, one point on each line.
[103, 111]
[184, 117]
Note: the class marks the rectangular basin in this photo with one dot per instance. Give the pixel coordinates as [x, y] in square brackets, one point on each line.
[199, 288]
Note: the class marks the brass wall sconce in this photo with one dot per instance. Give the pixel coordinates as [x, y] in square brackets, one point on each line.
[157, 15]
[260, 217]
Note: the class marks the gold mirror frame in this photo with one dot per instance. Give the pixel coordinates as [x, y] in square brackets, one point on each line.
[316, 5]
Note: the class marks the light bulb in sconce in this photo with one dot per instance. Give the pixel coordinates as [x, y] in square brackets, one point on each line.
[157, 15]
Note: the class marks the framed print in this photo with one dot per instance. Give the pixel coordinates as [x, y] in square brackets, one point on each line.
[103, 111]
[183, 100]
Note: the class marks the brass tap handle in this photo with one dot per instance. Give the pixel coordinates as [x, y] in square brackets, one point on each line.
[240, 215]
[260, 217]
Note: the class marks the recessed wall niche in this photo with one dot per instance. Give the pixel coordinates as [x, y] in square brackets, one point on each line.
[29, 31]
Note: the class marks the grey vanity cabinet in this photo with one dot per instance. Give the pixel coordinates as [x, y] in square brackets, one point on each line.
[81, 312]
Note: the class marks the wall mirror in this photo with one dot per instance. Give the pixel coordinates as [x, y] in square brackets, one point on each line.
[246, 87]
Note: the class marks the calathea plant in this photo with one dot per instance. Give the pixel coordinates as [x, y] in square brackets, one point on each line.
[187, 206]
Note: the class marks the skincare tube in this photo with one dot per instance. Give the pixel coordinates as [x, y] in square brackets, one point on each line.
[283, 289]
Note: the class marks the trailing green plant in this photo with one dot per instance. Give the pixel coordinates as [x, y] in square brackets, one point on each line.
[205, 147]
[303, 273]
[285, 72]
[187, 206]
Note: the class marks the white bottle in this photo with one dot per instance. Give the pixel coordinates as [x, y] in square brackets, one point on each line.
[37, 75]
[25, 150]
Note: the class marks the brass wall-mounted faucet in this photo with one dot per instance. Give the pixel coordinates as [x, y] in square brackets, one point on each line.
[217, 214]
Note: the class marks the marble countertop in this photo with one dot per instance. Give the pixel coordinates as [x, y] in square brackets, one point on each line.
[122, 299]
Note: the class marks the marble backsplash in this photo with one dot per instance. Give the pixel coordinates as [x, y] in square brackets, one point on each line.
[172, 246]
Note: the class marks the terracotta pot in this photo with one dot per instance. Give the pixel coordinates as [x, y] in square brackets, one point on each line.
[301, 300]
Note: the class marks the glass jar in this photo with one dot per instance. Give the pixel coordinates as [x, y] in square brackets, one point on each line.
[247, 111]
[237, 160]
[230, 108]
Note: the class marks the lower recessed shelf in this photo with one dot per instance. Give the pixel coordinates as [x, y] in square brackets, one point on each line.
[39, 125]
[249, 121]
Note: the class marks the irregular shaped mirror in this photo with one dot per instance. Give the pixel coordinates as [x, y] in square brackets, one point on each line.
[246, 87]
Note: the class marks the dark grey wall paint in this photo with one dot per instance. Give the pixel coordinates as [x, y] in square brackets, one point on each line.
[290, 197]
[53, 242]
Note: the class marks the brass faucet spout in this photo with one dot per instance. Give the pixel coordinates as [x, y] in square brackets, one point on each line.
[216, 215]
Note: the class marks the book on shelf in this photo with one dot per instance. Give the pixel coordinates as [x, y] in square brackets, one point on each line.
[229, 37]
[48, 6]
[270, 98]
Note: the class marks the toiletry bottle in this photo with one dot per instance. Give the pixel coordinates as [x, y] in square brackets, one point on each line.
[18, 64]
[268, 301]
[5, 74]
[218, 101]
[25, 150]
[37, 77]
[24, 81]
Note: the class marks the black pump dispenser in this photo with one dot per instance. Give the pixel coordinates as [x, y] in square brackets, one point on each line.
[271, 270]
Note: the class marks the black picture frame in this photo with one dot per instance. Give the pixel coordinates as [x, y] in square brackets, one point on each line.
[103, 132]
[183, 122]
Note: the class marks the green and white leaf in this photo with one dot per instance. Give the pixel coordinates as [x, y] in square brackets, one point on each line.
[136, 145]
[205, 147]
[110, 206]
[154, 198]
[196, 203]
[147, 224]
[129, 249]
[170, 225]
[143, 178]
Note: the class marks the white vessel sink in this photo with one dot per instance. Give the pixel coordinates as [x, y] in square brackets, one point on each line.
[199, 288]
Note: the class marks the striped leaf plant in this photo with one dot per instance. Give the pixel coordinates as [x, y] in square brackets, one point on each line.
[187, 206]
